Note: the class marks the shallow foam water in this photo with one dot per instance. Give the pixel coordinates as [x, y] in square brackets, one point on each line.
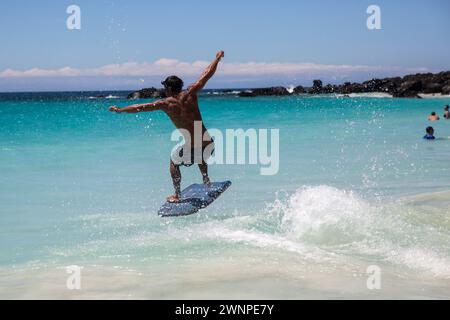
[357, 187]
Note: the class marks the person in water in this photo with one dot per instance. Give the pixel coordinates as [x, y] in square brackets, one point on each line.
[447, 112]
[433, 117]
[430, 134]
[183, 110]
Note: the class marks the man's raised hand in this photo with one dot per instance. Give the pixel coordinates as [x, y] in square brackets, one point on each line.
[220, 54]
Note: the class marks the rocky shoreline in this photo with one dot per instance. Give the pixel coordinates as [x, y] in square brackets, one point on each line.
[410, 86]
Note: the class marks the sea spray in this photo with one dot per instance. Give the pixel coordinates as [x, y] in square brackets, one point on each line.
[341, 222]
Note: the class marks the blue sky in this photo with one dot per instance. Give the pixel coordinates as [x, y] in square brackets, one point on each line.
[275, 36]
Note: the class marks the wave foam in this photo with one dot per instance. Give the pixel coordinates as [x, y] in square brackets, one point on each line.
[324, 212]
[341, 222]
[367, 95]
[319, 224]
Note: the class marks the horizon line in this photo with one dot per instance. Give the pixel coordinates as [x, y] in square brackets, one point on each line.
[211, 89]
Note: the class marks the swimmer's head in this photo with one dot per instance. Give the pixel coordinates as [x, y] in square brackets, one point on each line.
[433, 113]
[446, 108]
[430, 130]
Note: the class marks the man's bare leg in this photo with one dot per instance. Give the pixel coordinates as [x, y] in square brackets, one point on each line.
[204, 171]
[176, 179]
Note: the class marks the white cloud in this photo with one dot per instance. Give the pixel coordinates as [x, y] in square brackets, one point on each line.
[163, 67]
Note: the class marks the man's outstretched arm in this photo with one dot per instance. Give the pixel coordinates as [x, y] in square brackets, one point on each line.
[136, 108]
[207, 74]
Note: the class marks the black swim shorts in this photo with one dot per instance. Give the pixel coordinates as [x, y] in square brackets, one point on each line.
[196, 156]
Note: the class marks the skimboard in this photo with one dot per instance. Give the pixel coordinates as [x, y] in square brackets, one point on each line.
[194, 198]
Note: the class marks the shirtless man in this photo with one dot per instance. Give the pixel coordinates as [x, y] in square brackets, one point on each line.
[447, 112]
[182, 108]
[433, 117]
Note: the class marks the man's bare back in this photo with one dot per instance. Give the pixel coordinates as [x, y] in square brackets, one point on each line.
[182, 108]
[184, 111]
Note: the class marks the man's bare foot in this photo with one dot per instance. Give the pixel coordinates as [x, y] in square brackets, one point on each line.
[174, 199]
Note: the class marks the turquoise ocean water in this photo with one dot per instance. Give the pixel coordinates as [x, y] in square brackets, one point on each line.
[357, 187]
